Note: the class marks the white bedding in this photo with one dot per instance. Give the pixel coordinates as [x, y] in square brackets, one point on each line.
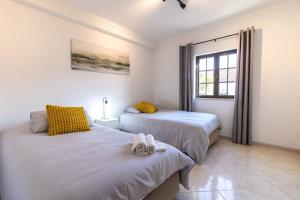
[93, 165]
[187, 131]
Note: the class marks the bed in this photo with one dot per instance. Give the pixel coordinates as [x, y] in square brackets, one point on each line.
[87, 165]
[190, 132]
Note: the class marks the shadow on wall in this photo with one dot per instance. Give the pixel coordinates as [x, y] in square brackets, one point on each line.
[167, 104]
[256, 81]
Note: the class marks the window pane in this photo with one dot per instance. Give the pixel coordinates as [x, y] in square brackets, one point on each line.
[223, 62]
[231, 89]
[223, 75]
[202, 89]
[202, 77]
[231, 74]
[202, 64]
[232, 60]
[210, 89]
[222, 88]
[224, 66]
[210, 63]
[210, 76]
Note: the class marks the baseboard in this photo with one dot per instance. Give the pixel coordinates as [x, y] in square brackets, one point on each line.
[274, 146]
[225, 137]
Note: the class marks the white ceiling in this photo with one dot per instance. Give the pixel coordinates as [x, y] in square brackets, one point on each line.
[156, 19]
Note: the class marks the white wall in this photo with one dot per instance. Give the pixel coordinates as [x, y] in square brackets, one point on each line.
[35, 67]
[276, 72]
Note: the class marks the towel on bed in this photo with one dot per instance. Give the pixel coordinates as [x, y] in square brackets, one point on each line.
[151, 147]
[160, 147]
[139, 144]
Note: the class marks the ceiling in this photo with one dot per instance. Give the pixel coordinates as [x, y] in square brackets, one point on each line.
[156, 19]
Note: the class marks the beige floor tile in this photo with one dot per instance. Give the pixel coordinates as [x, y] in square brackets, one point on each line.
[213, 182]
[241, 195]
[199, 196]
[238, 172]
[292, 191]
[272, 193]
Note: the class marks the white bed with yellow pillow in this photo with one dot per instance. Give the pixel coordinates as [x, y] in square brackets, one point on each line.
[190, 132]
[90, 165]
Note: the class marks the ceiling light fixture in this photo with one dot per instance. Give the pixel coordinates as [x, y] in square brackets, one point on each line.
[182, 3]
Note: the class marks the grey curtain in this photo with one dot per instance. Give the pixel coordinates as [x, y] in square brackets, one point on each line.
[186, 77]
[243, 93]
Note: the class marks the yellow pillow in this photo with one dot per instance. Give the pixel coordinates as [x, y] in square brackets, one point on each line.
[66, 120]
[146, 107]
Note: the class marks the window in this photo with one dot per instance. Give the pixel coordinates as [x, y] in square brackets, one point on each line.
[216, 74]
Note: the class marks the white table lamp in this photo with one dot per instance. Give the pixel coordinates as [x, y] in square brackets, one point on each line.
[106, 109]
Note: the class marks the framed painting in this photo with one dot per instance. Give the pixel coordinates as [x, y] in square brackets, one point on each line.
[89, 57]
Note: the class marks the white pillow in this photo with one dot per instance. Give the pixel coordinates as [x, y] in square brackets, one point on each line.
[39, 121]
[132, 110]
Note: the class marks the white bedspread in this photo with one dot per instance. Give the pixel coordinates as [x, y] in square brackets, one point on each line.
[187, 131]
[92, 165]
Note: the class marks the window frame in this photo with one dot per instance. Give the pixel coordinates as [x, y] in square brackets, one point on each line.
[216, 74]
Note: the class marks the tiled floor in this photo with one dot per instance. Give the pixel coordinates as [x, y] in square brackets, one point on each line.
[237, 172]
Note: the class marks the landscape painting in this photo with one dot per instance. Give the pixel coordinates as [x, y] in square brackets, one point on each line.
[94, 58]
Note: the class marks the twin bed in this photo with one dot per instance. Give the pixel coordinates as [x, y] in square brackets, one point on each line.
[190, 132]
[87, 165]
[99, 164]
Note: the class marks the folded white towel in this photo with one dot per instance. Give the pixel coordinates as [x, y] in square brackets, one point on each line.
[151, 147]
[139, 144]
[160, 147]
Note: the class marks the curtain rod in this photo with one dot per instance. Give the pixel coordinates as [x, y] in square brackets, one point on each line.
[215, 39]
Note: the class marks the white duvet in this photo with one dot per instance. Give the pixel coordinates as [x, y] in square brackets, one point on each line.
[93, 165]
[187, 131]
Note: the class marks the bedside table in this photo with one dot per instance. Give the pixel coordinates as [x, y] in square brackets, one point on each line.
[111, 122]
